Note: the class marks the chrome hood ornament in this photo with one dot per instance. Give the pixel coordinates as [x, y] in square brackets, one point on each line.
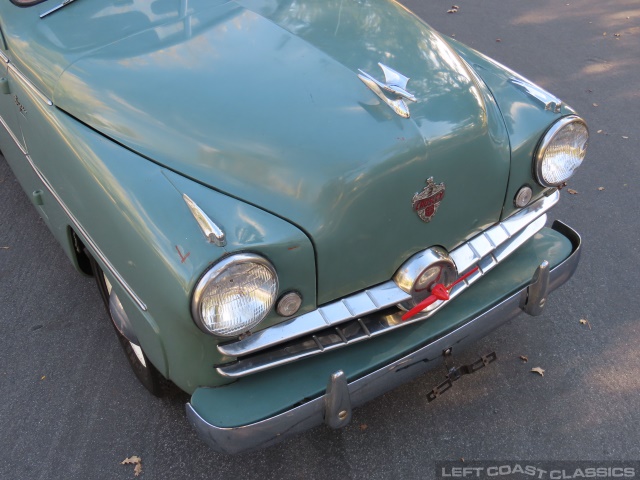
[426, 202]
[394, 83]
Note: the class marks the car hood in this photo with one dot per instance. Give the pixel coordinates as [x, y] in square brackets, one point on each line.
[260, 99]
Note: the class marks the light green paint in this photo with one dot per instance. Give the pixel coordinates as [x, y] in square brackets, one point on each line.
[254, 109]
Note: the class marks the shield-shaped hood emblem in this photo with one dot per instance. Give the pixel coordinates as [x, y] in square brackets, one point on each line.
[426, 202]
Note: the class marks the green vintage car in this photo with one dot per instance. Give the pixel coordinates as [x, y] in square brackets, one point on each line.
[282, 200]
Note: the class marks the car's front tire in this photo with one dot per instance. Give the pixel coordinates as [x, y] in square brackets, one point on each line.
[147, 374]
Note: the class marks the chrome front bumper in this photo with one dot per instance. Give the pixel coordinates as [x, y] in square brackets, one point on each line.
[334, 407]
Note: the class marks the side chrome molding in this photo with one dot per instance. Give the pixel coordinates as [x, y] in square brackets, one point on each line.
[30, 85]
[24, 79]
[87, 240]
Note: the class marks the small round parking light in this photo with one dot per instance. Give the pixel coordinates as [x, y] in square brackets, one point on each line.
[523, 197]
[289, 304]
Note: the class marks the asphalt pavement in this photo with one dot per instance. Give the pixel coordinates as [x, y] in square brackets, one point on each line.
[71, 409]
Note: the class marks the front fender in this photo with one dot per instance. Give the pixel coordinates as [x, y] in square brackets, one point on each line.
[130, 213]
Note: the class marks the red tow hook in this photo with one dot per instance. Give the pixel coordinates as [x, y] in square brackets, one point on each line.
[438, 292]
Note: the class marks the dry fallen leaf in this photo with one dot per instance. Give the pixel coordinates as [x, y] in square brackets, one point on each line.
[524, 358]
[601, 188]
[572, 191]
[134, 460]
[43, 377]
[584, 321]
[599, 131]
[538, 370]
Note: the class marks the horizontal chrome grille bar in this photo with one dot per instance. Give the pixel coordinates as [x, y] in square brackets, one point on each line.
[485, 250]
[366, 326]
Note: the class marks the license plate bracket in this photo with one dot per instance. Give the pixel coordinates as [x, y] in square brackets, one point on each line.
[455, 373]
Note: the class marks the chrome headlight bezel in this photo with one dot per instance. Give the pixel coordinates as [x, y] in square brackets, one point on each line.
[416, 275]
[215, 272]
[547, 140]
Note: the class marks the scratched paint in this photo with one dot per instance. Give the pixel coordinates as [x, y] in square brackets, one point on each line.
[183, 258]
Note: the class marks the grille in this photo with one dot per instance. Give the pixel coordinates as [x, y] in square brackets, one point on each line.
[373, 312]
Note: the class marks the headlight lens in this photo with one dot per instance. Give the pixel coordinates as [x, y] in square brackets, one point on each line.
[235, 295]
[561, 151]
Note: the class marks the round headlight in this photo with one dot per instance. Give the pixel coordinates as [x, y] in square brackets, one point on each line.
[234, 295]
[561, 151]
